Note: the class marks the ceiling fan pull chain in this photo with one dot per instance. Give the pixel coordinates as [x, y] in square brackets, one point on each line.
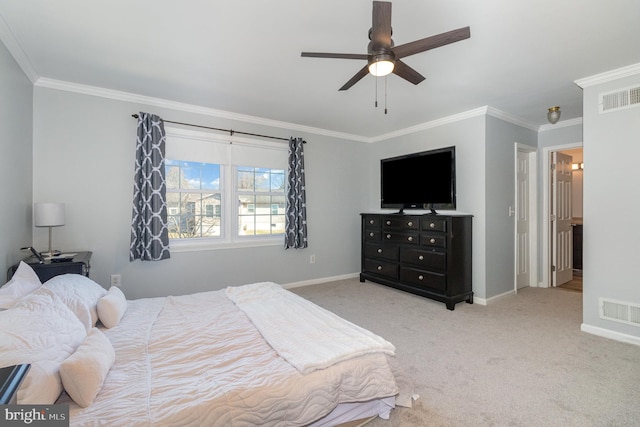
[385, 94]
[375, 81]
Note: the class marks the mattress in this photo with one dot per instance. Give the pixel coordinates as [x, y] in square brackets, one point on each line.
[199, 360]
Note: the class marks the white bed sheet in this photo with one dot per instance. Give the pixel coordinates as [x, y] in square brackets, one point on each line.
[198, 360]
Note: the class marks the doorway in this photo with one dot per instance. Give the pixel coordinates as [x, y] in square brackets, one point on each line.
[561, 240]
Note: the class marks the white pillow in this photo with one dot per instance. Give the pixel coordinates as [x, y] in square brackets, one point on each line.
[80, 294]
[23, 282]
[84, 372]
[42, 331]
[111, 307]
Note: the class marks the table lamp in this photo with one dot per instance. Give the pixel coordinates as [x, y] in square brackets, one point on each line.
[50, 215]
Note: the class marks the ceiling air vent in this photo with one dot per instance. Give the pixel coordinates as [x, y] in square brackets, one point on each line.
[620, 99]
[618, 311]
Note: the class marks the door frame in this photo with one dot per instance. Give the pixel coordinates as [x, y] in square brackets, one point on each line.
[533, 213]
[545, 278]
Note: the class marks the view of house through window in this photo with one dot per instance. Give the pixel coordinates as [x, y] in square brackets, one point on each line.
[261, 206]
[195, 200]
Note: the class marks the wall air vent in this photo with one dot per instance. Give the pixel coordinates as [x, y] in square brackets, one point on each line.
[620, 99]
[619, 311]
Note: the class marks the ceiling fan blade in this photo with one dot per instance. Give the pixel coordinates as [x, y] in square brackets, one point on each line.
[431, 42]
[355, 79]
[409, 74]
[381, 24]
[335, 55]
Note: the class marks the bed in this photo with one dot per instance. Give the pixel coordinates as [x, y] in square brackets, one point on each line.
[242, 356]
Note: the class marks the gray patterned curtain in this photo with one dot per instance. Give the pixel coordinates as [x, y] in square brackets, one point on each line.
[149, 232]
[296, 211]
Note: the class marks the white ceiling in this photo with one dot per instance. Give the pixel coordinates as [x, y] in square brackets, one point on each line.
[244, 56]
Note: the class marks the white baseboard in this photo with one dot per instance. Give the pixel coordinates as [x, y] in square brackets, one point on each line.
[320, 280]
[607, 333]
[487, 301]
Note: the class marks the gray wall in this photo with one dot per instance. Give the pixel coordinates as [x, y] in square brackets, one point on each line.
[500, 195]
[83, 156]
[469, 138]
[611, 205]
[16, 121]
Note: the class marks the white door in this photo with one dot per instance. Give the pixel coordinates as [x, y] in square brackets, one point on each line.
[523, 267]
[562, 234]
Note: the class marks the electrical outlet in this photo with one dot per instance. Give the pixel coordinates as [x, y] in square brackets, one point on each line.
[116, 280]
[312, 259]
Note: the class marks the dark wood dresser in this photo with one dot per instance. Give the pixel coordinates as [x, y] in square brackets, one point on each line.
[428, 255]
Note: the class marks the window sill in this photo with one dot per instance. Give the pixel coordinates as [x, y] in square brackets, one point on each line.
[209, 245]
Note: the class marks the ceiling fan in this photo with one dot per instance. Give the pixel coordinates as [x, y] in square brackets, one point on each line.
[383, 57]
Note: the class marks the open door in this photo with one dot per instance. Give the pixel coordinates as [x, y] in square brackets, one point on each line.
[561, 216]
[523, 267]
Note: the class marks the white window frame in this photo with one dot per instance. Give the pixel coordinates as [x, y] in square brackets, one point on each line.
[229, 237]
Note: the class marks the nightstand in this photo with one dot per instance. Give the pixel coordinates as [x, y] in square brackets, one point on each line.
[80, 264]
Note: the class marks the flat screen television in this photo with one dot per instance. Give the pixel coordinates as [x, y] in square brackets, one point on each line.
[425, 180]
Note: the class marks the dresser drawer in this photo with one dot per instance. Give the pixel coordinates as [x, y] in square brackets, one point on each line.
[390, 252]
[423, 279]
[400, 237]
[381, 268]
[401, 221]
[435, 260]
[433, 224]
[372, 235]
[435, 240]
[371, 221]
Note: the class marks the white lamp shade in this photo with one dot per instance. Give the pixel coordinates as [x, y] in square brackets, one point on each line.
[48, 214]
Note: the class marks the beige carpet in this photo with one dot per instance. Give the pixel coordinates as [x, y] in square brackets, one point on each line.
[521, 361]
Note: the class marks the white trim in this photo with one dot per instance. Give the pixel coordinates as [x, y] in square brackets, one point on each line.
[561, 124]
[607, 333]
[15, 48]
[212, 112]
[533, 214]
[196, 245]
[482, 111]
[320, 280]
[487, 301]
[189, 108]
[609, 76]
[544, 281]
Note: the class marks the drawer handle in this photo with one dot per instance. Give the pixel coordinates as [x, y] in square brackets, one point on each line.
[420, 277]
[370, 234]
[388, 222]
[420, 257]
[371, 221]
[432, 240]
[379, 250]
[410, 238]
[410, 223]
[379, 267]
[432, 225]
[388, 236]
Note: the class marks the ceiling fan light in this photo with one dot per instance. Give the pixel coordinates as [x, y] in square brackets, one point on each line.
[553, 115]
[381, 68]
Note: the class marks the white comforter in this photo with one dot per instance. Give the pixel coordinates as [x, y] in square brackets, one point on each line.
[198, 360]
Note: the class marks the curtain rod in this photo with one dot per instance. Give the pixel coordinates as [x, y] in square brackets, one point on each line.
[231, 131]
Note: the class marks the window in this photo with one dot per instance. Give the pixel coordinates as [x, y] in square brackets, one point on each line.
[221, 193]
[193, 191]
[259, 190]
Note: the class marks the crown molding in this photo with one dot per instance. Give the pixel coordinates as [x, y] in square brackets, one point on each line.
[609, 76]
[15, 49]
[211, 112]
[561, 124]
[499, 114]
[189, 108]
[431, 124]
